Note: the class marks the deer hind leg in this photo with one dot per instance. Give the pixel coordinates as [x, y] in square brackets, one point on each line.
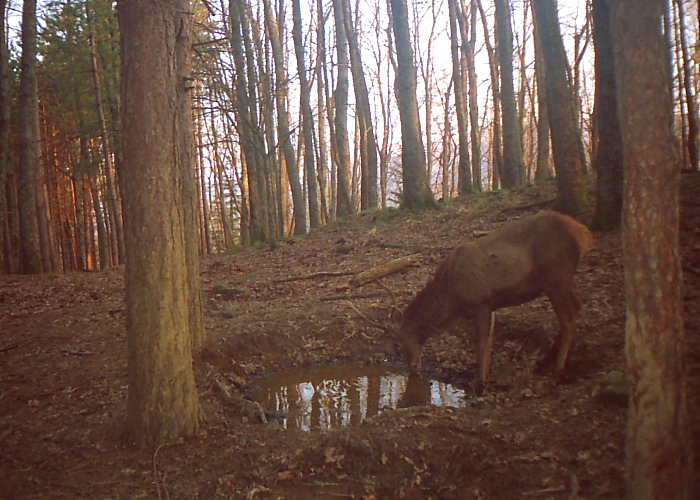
[567, 308]
[483, 322]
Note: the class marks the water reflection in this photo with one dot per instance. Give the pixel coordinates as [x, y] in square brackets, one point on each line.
[345, 394]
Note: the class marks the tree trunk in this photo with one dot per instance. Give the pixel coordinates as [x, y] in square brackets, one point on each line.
[368, 141]
[285, 140]
[659, 445]
[416, 190]
[607, 162]
[513, 174]
[160, 284]
[473, 100]
[252, 145]
[308, 119]
[566, 132]
[30, 151]
[543, 170]
[497, 155]
[342, 146]
[464, 168]
[688, 88]
[5, 162]
[114, 200]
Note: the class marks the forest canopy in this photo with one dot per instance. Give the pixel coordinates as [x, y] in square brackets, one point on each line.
[296, 115]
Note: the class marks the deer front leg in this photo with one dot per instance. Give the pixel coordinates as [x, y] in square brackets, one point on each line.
[483, 322]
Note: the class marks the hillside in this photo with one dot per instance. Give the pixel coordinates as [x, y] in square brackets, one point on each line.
[63, 378]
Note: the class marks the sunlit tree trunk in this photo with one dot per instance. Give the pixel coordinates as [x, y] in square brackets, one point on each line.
[659, 445]
[162, 327]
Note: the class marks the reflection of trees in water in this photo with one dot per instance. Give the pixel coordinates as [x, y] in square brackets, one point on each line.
[327, 402]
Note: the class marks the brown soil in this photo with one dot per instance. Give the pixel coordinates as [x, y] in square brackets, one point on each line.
[63, 381]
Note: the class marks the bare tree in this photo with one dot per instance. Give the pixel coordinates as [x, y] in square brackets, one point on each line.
[565, 128]
[464, 167]
[342, 146]
[308, 119]
[513, 174]
[416, 191]
[281, 78]
[367, 139]
[659, 445]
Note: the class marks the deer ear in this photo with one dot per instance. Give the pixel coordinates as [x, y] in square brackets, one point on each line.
[396, 315]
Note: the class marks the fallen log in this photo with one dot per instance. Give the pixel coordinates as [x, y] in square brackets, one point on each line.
[383, 270]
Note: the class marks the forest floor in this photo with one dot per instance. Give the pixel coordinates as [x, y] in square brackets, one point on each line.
[63, 376]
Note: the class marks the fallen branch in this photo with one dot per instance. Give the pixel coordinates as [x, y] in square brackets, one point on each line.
[383, 270]
[324, 274]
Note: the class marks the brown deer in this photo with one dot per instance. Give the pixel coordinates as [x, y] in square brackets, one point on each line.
[512, 265]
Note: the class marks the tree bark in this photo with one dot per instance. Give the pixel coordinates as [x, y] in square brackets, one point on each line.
[342, 146]
[161, 290]
[464, 168]
[566, 132]
[513, 174]
[543, 170]
[473, 100]
[416, 190]
[368, 141]
[688, 89]
[5, 103]
[608, 157]
[283, 121]
[659, 446]
[307, 119]
[30, 152]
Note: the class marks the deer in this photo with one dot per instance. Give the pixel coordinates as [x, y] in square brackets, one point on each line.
[514, 264]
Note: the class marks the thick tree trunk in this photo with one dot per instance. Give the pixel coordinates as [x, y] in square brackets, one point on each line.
[161, 290]
[566, 132]
[608, 157]
[659, 445]
[30, 151]
[513, 164]
[416, 190]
